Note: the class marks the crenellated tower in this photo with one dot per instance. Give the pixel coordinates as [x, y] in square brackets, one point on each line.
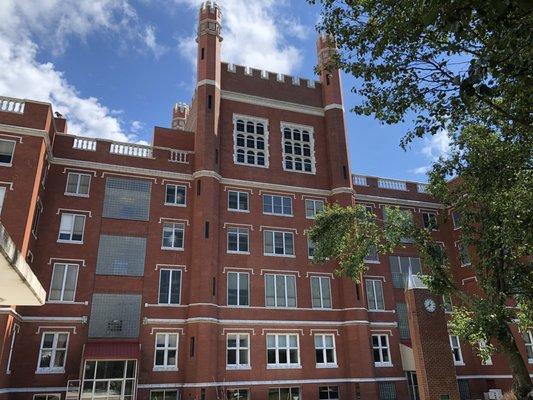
[180, 112]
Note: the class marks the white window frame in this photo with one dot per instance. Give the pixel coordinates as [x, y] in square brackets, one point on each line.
[285, 276]
[3, 191]
[173, 226]
[240, 232]
[273, 234]
[77, 192]
[64, 280]
[70, 230]
[381, 349]
[175, 187]
[456, 350]
[164, 392]
[310, 245]
[273, 212]
[37, 218]
[237, 349]
[9, 164]
[171, 271]
[528, 342]
[431, 216]
[447, 303]
[371, 283]
[14, 331]
[47, 396]
[277, 349]
[165, 349]
[239, 397]
[53, 349]
[289, 388]
[320, 279]
[238, 273]
[314, 203]
[301, 142]
[239, 193]
[323, 348]
[246, 149]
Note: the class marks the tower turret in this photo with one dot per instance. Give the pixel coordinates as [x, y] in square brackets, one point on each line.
[180, 112]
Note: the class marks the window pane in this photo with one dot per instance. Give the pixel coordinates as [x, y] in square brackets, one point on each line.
[232, 288]
[70, 283]
[243, 289]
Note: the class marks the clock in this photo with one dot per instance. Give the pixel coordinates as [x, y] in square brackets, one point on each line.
[430, 305]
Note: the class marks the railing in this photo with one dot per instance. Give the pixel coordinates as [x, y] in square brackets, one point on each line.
[8, 104]
[84, 144]
[392, 184]
[422, 187]
[178, 156]
[359, 180]
[132, 150]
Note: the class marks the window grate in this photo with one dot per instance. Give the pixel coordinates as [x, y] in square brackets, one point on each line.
[127, 199]
[121, 255]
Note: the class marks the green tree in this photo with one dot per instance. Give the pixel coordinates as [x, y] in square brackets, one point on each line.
[463, 67]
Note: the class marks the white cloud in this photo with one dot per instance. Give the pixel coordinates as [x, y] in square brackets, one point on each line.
[433, 147]
[150, 41]
[255, 34]
[29, 26]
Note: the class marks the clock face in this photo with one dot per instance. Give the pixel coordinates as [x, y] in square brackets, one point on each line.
[430, 305]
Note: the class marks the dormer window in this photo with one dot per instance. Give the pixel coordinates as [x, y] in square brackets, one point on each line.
[250, 141]
[298, 148]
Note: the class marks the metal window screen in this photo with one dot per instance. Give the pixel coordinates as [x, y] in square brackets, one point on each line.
[387, 391]
[403, 323]
[121, 255]
[115, 315]
[127, 199]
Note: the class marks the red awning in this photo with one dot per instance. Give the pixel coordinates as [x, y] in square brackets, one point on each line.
[112, 350]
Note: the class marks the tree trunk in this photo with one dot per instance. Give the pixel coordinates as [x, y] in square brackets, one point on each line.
[522, 385]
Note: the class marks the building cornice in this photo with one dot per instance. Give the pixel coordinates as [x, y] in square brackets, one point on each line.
[22, 130]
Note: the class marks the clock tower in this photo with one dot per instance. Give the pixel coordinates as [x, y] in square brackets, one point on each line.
[435, 369]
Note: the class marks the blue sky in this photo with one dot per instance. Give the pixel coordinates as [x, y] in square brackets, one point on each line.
[116, 67]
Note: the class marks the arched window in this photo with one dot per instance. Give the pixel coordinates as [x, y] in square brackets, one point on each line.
[298, 148]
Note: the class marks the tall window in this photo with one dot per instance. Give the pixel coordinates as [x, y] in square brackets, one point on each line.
[173, 233]
[372, 256]
[298, 148]
[464, 257]
[278, 243]
[328, 393]
[71, 228]
[53, 352]
[238, 289]
[250, 141]
[374, 294]
[400, 267]
[7, 148]
[456, 219]
[166, 351]
[430, 220]
[175, 195]
[103, 377]
[456, 350]
[238, 240]
[169, 286]
[238, 350]
[310, 248]
[280, 290]
[2, 196]
[277, 205]
[163, 395]
[528, 341]
[237, 394]
[282, 350]
[380, 349]
[78, 184]
[285, 393]
[238, 201]
[325, 350]
[447, 303]
[313, 207]
[63, 285]
[37, 218]
[321, 292]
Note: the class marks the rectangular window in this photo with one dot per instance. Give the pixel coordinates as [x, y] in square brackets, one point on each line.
[278, 243]
[237, 394]
[166, 351]
[447, 303]
[7, 148]
[464, 257]
[298, 148]
[238, 239]
[106, 378]
[250, 141]
[403, 321]
[325, 351]
[127, 199]
[53, 352]
[238, 350]
[456, 350]
[238, 289]
[286, 393]
[238, 201]
[169, 286]
[430, 220]
[456, 219]
[387, 391]
[71, 228]
[175, 195]
[528, 341]
[328, 393]
[63, 285]
[78, 184]
[280, 290]
[164, 395]
[321, 292]
[46, 397]
[400, 267]
[37, 218]
[372, 256]
[277, 205]
[282, 350]
[313, 207]
[173, 233]
[380, 349]
[374, 294]
[311, 246]
[2, 196]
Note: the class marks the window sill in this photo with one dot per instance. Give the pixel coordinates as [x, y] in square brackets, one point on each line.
[299, 172]
[311, 218]
[383, 365]
[237, 252]
[239, 211]
[530, 361]
[380, 311]
[237, 306]
[69, 241]
[372, 261]
[172, 248]
[466, 265]
[50, 371]
[321, 308]
[165, 369]
[278, 366]
[175, 205]
[320, 366]
[279, 215]
[86, 196]
[74, 303]
[251, 165]
[459, 364]
[6, 165]
[238, 367]
[168, 305]
[279, 255]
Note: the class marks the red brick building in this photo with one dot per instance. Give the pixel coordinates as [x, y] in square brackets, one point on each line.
[183, 268]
